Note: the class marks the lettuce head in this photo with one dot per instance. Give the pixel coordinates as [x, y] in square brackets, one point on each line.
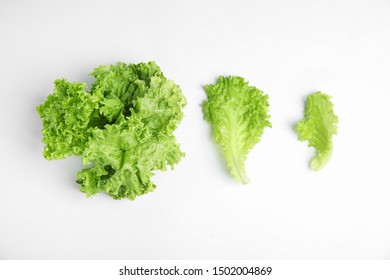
[122, 128]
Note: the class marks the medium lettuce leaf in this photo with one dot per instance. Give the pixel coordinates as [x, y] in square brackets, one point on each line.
[238, 114]
[318, 127]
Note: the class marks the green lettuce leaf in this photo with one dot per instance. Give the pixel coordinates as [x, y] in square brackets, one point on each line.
[318, 127]
[124, 158]
[66, 116]
[238, 114]
[121, 85]
[160, 105]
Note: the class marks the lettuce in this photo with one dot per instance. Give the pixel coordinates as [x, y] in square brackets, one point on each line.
[318, 127]
[238, 114]
[123, 127]
[66, 117]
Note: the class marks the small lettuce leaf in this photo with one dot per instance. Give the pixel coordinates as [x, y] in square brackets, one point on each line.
[66, 116]
[238, 114]
[318, 127]
[111, 108]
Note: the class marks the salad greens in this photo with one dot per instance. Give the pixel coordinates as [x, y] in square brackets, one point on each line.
[238, 114]
[317, 127]
[123, 127]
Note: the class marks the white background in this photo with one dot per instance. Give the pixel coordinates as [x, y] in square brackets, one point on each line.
[286, 48]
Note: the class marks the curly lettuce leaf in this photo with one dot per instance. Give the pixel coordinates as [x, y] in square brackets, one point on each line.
[66, 116]
[238, 114]
[318, 127]
[121, 85]
[124, 158]
[160, 106]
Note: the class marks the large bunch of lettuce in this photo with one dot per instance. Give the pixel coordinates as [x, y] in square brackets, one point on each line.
[123, 127]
